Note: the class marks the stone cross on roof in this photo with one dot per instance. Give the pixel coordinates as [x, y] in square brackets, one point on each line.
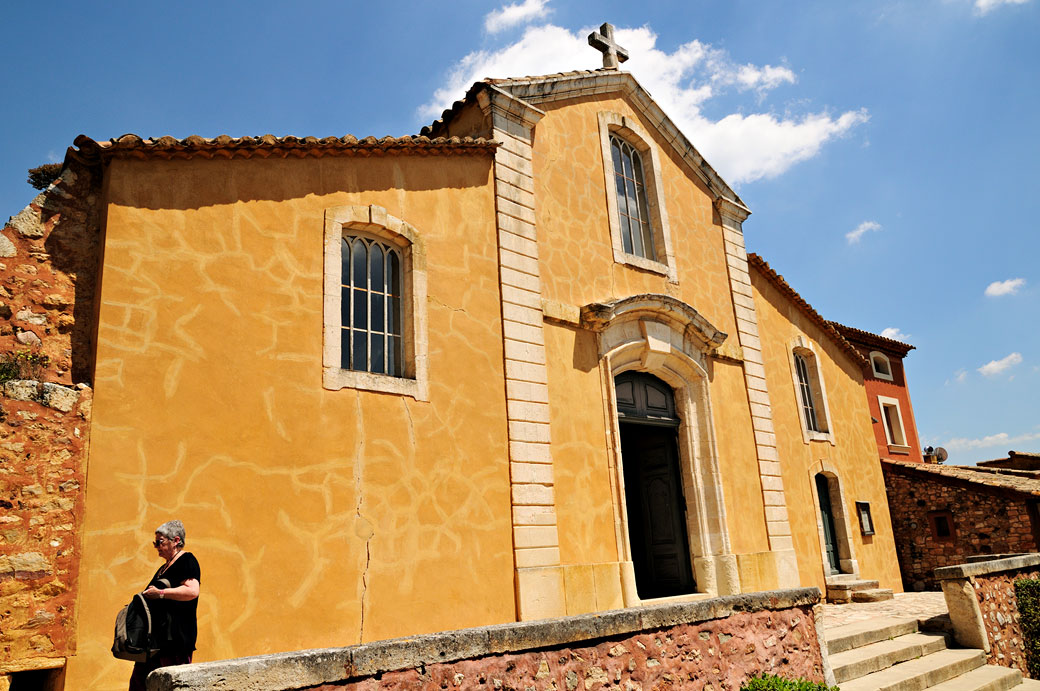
[603, 41]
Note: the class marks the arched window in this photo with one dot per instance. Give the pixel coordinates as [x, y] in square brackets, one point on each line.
[633, 211]
[805, 393]
[371, 332]
[375, 303]
[881, 365]
[636, 211]
[810, 392]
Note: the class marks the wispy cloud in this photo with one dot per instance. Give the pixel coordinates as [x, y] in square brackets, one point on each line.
[895, 334]
[508, 16]
[1001, 439]
[854, 236]
[743, 147]
[1008, 287]
[984, 7]
[995, 367]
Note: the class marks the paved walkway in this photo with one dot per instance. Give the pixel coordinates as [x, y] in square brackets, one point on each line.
[908, 605]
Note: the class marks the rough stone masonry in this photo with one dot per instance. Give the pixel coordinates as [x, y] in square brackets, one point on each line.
[48, 271]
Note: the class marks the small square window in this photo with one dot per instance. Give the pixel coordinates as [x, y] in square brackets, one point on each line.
[866, 522]
[942, 526]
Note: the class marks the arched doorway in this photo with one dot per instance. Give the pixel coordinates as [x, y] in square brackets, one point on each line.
[831, 561]
[654, 497]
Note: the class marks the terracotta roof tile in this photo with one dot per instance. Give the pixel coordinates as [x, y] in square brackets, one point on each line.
[872, 339]
[1024, 481]
[785, 289]
[268, 145]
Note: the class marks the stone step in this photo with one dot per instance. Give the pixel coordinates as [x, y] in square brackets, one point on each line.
[1028, 685]
[857, 584]
[860, 633]
[842, 592]
[985, 678]
[921, 673]
[872, 595]
[859, 662]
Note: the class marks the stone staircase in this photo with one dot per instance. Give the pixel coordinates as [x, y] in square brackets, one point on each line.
[850, 588]
[890, 654]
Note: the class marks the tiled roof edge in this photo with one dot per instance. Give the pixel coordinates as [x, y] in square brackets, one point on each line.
[872, 339]
[784, 287]
[224, 146]
[968, 474]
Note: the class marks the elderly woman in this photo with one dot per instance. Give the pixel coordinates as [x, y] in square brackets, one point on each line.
[174, 595]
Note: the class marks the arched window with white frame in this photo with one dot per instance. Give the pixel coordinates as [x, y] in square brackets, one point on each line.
[881, 365]
[375, 303]
[810, 392]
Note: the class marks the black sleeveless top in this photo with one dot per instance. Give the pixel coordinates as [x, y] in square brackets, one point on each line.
[177, 618]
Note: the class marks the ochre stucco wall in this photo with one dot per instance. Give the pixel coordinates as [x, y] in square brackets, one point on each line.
[853, 456]
[319, 517]
[578, 268]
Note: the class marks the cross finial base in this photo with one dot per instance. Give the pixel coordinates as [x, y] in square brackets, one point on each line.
[603, 41]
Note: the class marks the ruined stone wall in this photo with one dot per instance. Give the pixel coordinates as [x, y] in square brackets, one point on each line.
[714, 644]
[981, 522]
[48, 274]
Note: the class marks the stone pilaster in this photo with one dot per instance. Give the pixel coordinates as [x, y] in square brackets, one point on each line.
[778, 526]
[536, 543]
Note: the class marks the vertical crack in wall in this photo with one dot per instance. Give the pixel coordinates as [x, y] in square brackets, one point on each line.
[363, 527]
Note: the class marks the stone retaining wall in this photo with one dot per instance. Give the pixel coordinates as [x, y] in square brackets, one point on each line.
[711, 644]
[983, 607]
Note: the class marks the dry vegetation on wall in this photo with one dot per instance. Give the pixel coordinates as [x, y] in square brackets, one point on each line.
[48, 267]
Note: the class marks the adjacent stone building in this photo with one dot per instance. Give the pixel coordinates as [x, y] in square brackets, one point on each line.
[946, 515]
[518, 366]
[48, 269]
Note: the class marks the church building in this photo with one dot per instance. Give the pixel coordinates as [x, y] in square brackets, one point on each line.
[518, 366]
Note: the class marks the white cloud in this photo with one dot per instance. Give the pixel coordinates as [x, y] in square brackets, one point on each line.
[995, 367]
[853, 236]
[1008, 287]
[743, 147]
[1000, 439]
[895, 334]
[511, 15]
[984, 7]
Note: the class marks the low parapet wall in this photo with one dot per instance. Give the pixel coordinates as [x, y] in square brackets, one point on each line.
[716, 642]
[983, 608]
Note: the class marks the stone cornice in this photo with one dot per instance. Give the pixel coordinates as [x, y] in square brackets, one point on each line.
[597, 316]
[492, 99]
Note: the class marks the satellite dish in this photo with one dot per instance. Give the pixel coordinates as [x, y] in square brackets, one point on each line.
[940, 454]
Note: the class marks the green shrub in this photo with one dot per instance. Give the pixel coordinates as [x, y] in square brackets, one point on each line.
[41, 177]
[768, 682]
[26, 364]
[1027, 592]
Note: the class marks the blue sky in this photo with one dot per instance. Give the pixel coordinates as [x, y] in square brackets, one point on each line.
[887, 149]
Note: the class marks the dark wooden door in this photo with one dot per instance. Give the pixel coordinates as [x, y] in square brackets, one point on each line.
[823, 491]
[653, 487]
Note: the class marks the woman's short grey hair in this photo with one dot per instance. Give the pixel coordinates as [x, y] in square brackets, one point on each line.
[172, 529]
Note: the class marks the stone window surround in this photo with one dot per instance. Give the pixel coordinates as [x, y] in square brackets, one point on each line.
[893, 445]
[877, 373]
[373, 221]
[843, 534]
[804, 347]
[660, 336]
[628, 130]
